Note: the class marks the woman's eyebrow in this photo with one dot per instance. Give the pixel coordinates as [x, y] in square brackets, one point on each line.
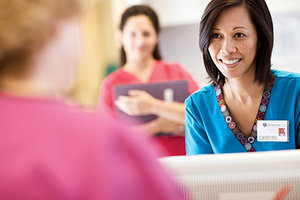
[239, 27]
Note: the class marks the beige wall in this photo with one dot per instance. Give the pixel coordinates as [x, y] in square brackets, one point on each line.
[98, 51]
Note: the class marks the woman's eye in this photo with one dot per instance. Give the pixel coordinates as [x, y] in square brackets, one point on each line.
[215, 35]
[239, 35]
[147, 34]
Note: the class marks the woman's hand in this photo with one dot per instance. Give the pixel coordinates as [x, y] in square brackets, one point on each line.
[138, 103]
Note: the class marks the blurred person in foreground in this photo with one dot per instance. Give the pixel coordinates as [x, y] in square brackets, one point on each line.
[49, 150]
[141, 63]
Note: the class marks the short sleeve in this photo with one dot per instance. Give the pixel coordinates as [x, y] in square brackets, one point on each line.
[196, 139]
[106, 99]
[297, 131]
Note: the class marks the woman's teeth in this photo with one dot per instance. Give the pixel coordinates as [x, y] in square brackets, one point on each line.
[230, 62]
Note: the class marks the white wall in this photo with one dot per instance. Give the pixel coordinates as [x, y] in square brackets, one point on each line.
[179, 12]
[286, 53]
[283, 5]
[180, 44]
[182, 12]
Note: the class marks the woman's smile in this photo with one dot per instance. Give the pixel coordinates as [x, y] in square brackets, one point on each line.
[231, 63]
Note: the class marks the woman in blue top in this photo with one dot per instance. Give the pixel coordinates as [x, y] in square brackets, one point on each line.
[234, 113]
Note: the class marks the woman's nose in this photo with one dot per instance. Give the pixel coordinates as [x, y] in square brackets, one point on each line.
[140, 39]
[228, 46]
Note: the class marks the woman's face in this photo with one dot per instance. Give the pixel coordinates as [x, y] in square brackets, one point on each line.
[233, 43]
[139, 38]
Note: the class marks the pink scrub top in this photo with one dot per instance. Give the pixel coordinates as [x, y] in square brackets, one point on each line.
[162, 71]
[51, 151]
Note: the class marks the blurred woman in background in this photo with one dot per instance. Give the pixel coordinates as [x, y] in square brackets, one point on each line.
[49, 150]
[141, 63]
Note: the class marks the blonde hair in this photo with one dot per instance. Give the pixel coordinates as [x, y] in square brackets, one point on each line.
[26, 25]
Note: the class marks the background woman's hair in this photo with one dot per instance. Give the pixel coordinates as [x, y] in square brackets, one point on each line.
[26, 25]
[135, 11]
[262, 20]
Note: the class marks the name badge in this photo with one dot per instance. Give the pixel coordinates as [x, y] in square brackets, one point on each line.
[272, 131]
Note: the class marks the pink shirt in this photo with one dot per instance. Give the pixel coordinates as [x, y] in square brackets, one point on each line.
[162, 71]
[51, 151]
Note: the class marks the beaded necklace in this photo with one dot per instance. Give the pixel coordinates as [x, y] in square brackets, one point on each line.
[247, 142]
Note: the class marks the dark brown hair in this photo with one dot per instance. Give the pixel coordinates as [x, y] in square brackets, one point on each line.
[135, 11]
[262, 20]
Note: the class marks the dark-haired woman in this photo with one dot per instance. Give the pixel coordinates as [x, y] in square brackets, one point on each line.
[141, 63]
[247, 102]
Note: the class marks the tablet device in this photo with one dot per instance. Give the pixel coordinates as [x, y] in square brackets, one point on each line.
[168, 91]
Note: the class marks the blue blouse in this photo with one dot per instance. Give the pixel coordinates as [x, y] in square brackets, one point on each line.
[208, 132]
